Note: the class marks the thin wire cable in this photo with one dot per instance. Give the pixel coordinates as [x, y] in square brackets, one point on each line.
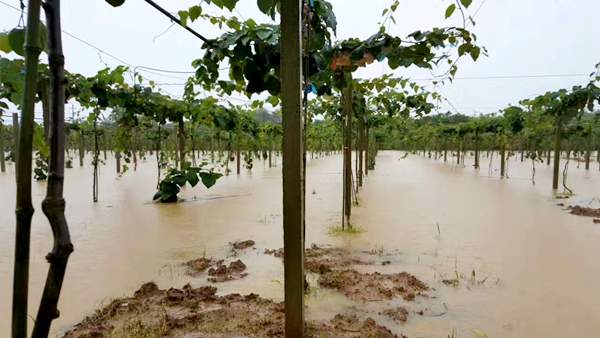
[9, 5]
[505, 77]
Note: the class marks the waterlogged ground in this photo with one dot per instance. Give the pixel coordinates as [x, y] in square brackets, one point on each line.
[500, 257]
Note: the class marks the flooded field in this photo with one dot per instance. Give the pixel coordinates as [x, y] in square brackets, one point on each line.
[501, 257]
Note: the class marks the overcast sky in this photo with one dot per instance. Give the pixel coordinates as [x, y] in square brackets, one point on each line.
[523, 37]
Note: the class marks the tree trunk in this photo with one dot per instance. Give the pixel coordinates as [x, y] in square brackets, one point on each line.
[502, 158]
[548, 157]
[347, 170]
[15, 128]
[45, 100]
[118, 160]
[104, 146]
[367, 140]
[135, 158]
[24, 208]
[96, 160]
[158, 154]
[54, 203]
[360, 149]
[81, 148]
[293, 175]
[181, 143]
[476, 165]
[238, 154]
[557, 146]
[2, 150]
[588, 155]
[193, 145]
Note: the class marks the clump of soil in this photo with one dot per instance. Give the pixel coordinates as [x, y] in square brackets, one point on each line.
[334, 265]
[583, 211]
[198, 266]
[242, 245]
[222, 273]
[321, 259]
[351, 326]
[274, 252]
[373, 286]
[190, 312]
[398, 314]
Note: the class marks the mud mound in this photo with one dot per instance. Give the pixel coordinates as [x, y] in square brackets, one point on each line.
[199, 266]
[373, 286]
[242, 245]
[399, 314]
[325, 259]
[335, 267]
[221, 273]
[190, 312]
[583, 211]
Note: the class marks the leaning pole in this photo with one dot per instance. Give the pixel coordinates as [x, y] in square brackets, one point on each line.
[293, 172]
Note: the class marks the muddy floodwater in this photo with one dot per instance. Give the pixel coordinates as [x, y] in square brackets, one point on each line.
[503, 259]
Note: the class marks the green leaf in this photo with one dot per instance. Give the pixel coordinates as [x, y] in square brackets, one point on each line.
[115, 3]
[229, 4]
[209, 179]
[475, 52]
[195, 12]
[265, 6]
[192, 178]
[464, 48]
[450, 10]
[183, 16]
[16, 38]
[466, 3]
[4, 43]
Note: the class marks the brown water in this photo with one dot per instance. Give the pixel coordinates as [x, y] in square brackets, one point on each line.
[538, 262]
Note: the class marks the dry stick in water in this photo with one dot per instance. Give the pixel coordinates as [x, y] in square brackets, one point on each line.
[24, 207]
[54, 203]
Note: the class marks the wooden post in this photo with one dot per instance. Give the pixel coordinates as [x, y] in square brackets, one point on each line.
[293, 198]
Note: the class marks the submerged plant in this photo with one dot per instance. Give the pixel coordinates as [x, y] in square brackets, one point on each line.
[40, 173]
[176, 179]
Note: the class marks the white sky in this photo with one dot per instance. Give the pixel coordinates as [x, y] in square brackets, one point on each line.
[524, 37]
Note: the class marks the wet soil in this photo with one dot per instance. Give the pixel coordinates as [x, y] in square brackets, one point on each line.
[373, 286]
[222, 273]
[318, 259]
[242, 245]
[334, 265]
[199, 312]
[398, 314]
[584, 211]
[218, 271]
